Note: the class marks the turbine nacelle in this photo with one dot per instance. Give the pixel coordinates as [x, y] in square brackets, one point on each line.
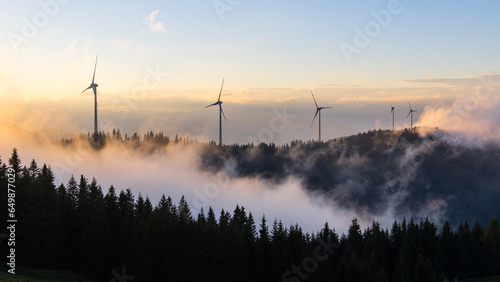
[93, 86]
[392, 114]
[318, 111]
[411, 110]
[411, 118]
[221, 112]
[392, 107]
[214, 104]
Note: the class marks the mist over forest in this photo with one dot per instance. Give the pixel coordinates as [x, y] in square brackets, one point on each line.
[438, 198]
[377, 174]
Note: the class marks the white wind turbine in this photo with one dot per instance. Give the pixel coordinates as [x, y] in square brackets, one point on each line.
[318, 110]
[411, 118]
[221, 112]
[94, 88]
[392, 113]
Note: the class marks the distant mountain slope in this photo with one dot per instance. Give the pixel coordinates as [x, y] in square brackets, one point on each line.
[401, 172]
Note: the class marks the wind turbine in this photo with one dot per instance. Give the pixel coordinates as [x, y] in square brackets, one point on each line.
[318, 110]
[392, 113]
[411, 118]
[221, 112]
[94, 88]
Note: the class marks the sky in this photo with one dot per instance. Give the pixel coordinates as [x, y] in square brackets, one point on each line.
[161, 62]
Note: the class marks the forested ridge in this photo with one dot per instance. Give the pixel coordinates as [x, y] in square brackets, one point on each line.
[77, 226]
[416, 173]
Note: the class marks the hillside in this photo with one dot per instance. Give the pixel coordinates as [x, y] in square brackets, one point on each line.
[403, 172]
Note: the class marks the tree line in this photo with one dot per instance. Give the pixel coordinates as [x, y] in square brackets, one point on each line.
[76, 226]
[364, 171]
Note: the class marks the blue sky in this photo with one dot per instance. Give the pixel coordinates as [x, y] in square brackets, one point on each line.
[272, 53]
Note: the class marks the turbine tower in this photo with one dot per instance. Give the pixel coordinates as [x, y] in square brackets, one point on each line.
[411, 118]
[221, 113]
[392, 113]
[94, 88]
[318, 110]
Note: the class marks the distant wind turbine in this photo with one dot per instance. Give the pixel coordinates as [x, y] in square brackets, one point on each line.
[392, 113]
[318, 110]
[94, 88]
[411, 118]
[221, 113]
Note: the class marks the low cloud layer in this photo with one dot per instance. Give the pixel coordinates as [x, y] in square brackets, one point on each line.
[471, 118]
[174, 172]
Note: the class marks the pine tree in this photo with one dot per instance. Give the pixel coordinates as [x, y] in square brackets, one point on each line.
[492, 243]
[185, 212]
[447, 251]
[95, 251]
[41, 216]
[64, 210]
[72, 192]
[279, 252]
[186, 248]
[33, 171]
[15, 163]
[354, 237]
[479, 250]
[263, 252]
[3, 198]
[126, 243]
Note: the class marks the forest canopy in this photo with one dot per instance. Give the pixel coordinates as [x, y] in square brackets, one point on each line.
[76, 226]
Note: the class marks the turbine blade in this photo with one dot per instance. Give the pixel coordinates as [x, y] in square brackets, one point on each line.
[326, 107]
[409, 105]
[314, 100]
[94, 68]
[222, 112]
[408, 114]
[220, 93]
[86, 89]
[392, 111]
[211, 105]
[317, 111]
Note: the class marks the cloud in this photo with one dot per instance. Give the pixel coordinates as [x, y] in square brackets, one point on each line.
[153, 25]
[469, 81]
[174, 171]
[71, 47]
[347, 99]
[470, 118]
[141, 49]
[122, 43]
